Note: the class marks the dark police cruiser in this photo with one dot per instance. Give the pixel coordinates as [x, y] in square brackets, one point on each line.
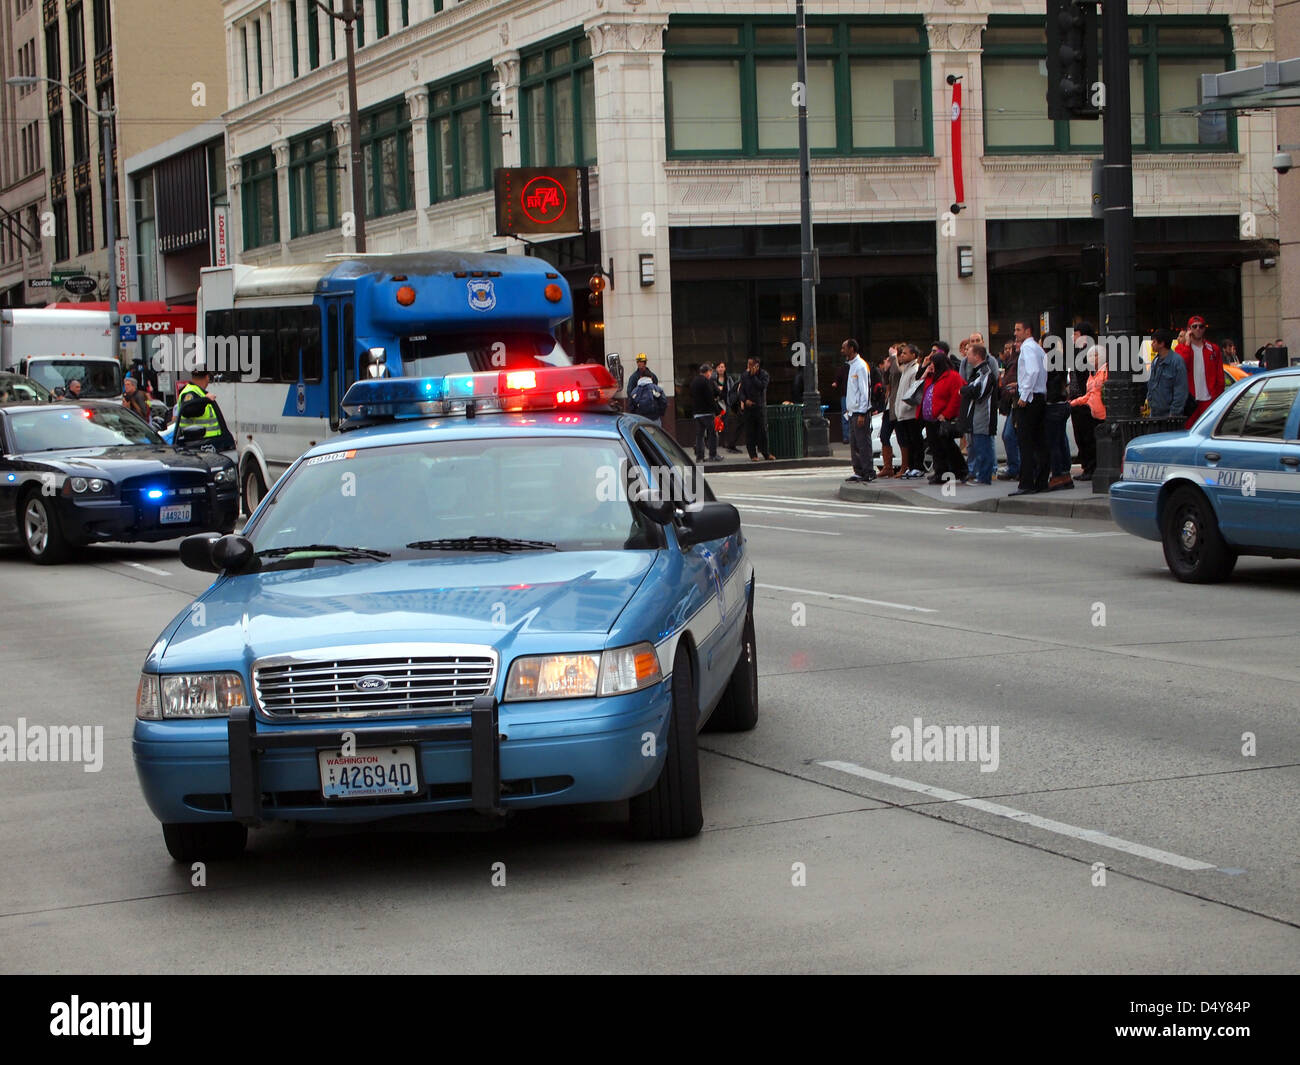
[80, 473]
[1229, 486]
[494, 591]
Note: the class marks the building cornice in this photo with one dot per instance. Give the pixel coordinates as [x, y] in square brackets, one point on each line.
[1082, 164]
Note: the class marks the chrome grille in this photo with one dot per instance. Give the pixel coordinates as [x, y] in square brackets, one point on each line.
[378, 681]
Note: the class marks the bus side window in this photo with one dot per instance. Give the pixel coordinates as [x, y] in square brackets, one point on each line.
[349, 351]
[263, 327]
[311, 360]
[286, 320]
[221, 352]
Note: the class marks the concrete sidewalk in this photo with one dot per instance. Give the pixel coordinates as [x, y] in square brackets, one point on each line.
[1076, 502]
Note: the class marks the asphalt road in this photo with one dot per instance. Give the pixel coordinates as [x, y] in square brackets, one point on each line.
[1120, 699]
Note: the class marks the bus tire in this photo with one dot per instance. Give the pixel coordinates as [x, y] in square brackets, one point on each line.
[252, 489]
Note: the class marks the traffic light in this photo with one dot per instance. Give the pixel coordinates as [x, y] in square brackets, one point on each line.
[1072, 58]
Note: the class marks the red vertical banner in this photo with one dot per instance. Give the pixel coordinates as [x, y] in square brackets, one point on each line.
[959, 191]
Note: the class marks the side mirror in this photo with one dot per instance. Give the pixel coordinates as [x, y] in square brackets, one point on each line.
[660, 511]
[210, 553]
[614, 363]
[191, 435]
[712, 521]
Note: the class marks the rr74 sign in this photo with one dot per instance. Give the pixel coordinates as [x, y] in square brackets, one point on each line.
[538, 199]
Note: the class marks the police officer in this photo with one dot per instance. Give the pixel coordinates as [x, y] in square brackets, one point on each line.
[195, 405]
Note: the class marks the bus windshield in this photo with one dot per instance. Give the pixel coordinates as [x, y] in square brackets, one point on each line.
[100, 378]
[438, 354]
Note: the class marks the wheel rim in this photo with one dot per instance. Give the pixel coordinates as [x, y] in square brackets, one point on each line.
[252, 493]
[36, 527]
[1188, 537]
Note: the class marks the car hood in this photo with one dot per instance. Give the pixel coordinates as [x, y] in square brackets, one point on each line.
[124, 461]
[538, 600]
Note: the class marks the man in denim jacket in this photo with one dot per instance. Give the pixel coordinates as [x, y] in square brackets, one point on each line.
[1167, 385]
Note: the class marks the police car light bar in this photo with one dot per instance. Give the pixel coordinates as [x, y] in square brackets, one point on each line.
[584, 387]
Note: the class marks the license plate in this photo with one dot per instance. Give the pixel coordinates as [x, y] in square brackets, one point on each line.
[177, 515]
[368, 773]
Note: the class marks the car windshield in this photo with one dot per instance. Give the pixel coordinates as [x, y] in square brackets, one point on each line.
[78, 427]
[100, 379]
[554, 490]
[438, 354]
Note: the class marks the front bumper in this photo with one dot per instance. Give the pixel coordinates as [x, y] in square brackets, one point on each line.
[91, 521]
[523, 755]
[1135, 508]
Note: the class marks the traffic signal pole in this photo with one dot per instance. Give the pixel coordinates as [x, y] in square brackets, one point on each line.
[816, 430]
[1121, 394]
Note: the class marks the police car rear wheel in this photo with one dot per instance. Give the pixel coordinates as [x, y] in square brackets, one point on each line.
[205, 843]
[43, 538]
[1195, 550]
[672, 809]
[253, 488]
[738, 709]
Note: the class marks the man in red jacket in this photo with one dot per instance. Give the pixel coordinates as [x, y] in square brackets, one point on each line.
[1204, 362]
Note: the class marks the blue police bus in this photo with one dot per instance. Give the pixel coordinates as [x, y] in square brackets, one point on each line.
[285, 342]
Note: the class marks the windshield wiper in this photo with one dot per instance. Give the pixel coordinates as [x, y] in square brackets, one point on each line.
[480, 543]
[342, 553]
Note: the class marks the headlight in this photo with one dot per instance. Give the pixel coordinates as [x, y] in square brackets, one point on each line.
[97, 485]
[224, 476]
[180, 695]
[79, 484]
[573, 676]
[86, 486]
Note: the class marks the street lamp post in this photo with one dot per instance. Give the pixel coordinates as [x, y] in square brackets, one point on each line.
[110, 235]
[348, 16]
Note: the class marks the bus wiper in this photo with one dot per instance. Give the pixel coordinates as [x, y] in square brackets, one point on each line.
[342, 553]
[480, 543]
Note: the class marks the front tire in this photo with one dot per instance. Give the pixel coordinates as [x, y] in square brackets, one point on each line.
[1195, 550]
[737, 711]
[205, 842]
[42, 535]
[252, 489]
[672, 808]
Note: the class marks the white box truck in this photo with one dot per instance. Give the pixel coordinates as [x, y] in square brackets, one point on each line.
[53, 347]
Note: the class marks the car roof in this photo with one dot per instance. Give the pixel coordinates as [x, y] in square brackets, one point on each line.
[540, 424]
[17, 408]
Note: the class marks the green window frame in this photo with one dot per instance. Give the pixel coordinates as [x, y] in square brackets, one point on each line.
[261, 206]
[557, 103]
[406, 13]
[845, 57]
[293, 34]
[1193, 43]
[464, 136]
[313, 35]
[313, 183]
[386, 141]
[381, 19]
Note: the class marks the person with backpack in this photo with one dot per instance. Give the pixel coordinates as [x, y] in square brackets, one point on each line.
[644, 396]
[753, 406]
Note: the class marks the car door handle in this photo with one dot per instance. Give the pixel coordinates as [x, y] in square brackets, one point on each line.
[1212, 456]
[1290, 460]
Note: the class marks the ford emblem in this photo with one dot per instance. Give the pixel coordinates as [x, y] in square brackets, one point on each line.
[373, 682]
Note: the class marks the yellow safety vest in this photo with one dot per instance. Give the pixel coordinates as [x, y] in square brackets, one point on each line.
[208, 419]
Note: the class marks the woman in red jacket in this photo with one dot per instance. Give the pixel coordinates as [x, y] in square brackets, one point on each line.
[941, 403]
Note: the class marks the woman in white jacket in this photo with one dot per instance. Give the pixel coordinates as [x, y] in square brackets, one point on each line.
[906, 424]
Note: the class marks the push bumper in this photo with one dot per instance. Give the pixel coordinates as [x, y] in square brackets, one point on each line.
[92, 521]
[247, 746]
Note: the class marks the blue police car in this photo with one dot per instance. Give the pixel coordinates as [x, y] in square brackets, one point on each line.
[495, 591]
[1228, 486]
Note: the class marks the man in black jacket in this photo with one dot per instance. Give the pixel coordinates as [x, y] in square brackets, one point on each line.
[753, 406]
[705, 407]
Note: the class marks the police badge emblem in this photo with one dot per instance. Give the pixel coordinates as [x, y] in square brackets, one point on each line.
[482, 295]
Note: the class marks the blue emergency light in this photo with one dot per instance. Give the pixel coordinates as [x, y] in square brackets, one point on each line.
[583, 387]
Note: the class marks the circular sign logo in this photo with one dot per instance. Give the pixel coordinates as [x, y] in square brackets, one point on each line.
[80, 285]
[544, 200]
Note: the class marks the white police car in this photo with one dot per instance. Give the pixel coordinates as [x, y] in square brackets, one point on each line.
[494, 592]
[1228, 486]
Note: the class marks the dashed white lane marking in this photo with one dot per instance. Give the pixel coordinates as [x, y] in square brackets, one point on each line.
[849, 598]
[786, 528]
[149, 569]
[1088, 835]
[863, 508]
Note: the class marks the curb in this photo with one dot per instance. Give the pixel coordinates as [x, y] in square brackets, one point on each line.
[741, 464]
[1096, 508]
